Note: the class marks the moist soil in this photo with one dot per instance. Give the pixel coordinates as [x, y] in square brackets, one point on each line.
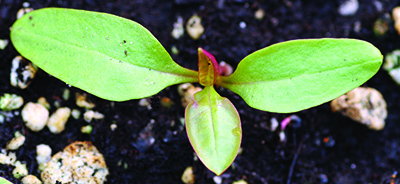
[325, 147]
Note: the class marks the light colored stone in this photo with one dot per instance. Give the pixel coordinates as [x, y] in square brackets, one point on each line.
[79, 162]
[20, 170]
[31, 179]
[21, 12]
[43, 153]
[22, 72]
[259, 14]
[3, 44]
[240, 182]
[396, 18]
[89, 115]
[187, 91]
[392, 65]
[87, 129]
[178, 30]
[10, 102]
[16, 142]
[348, 8]
[364, 105]
[188, 176]
[58, 119]
[194, 27]
[76, 113]
[7, 159]
[35, 115]
[81, 101]
[43, 101]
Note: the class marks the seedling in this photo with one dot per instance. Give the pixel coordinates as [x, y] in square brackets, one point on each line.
[118, 59]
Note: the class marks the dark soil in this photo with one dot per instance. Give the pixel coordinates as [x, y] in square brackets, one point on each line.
[355, 153]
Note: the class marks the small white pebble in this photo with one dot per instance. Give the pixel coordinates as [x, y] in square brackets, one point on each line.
[35, 115]
[89, 115]
[274, 124]
[178, 30]
[21, 12]
[10, 102]
[259, 14]
[240, 182]
[113, 126]
[58, 119]
[82, 102]
[217, 179]
[31, 179]
[16, 142]
[242, 25]
[20, 170]
[43, 101]
[188, 176]
[3, 44]
[43, 152]
[76, 113]
[348, 8]
[194, 27]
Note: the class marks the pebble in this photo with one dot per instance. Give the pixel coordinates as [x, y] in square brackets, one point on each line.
[58, 119]
[21, 12]
[113, 127]
[16, 142]
[35, 115]
[225, 69]
[31, 179]
[10, 102]
[87, 129]
[348, 8]
[89, 115]
[82, 102]
[144, 102]
[75, 113]
[43, 101]
[392, 65]
[178, 29]
[194, 27]
[187, 91]
[364, 105]
[3, 44]
[259, 14]
[380, 27]
[20, 170]
[79, 162]
[396, 18]
[22, 72]
[43, 153]
[188, 176]
[240, 182]
[7, 159]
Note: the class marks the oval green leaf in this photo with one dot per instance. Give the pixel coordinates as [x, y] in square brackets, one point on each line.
[213, 128]
[299, 74]
[109, 56]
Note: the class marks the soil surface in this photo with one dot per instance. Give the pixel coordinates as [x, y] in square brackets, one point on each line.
[353, 154]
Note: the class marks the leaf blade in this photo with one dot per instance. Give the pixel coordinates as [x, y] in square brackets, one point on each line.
[213, 128]
[91, 55]
[299, 74]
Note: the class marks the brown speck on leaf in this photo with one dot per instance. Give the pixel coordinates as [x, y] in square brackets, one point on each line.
[30, 17]
[126, 53]
[124, 41]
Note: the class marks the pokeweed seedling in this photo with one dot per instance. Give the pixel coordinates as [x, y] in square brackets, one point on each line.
[118, 59]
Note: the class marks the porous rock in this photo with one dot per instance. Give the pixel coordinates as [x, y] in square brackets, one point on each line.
[35, 115]
[79, 162]
[364, 105]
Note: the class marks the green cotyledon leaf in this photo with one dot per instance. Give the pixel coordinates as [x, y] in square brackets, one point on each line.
[213, 128]
[299, 74]
[109, 56]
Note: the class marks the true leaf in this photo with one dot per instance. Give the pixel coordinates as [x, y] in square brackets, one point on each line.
[295, 75]
[213, 128]
[208, 68]
[106, 55]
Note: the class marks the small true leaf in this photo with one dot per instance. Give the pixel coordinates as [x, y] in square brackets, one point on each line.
[213, 128]
[106, 55]
[208, 68]
[295, 75]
